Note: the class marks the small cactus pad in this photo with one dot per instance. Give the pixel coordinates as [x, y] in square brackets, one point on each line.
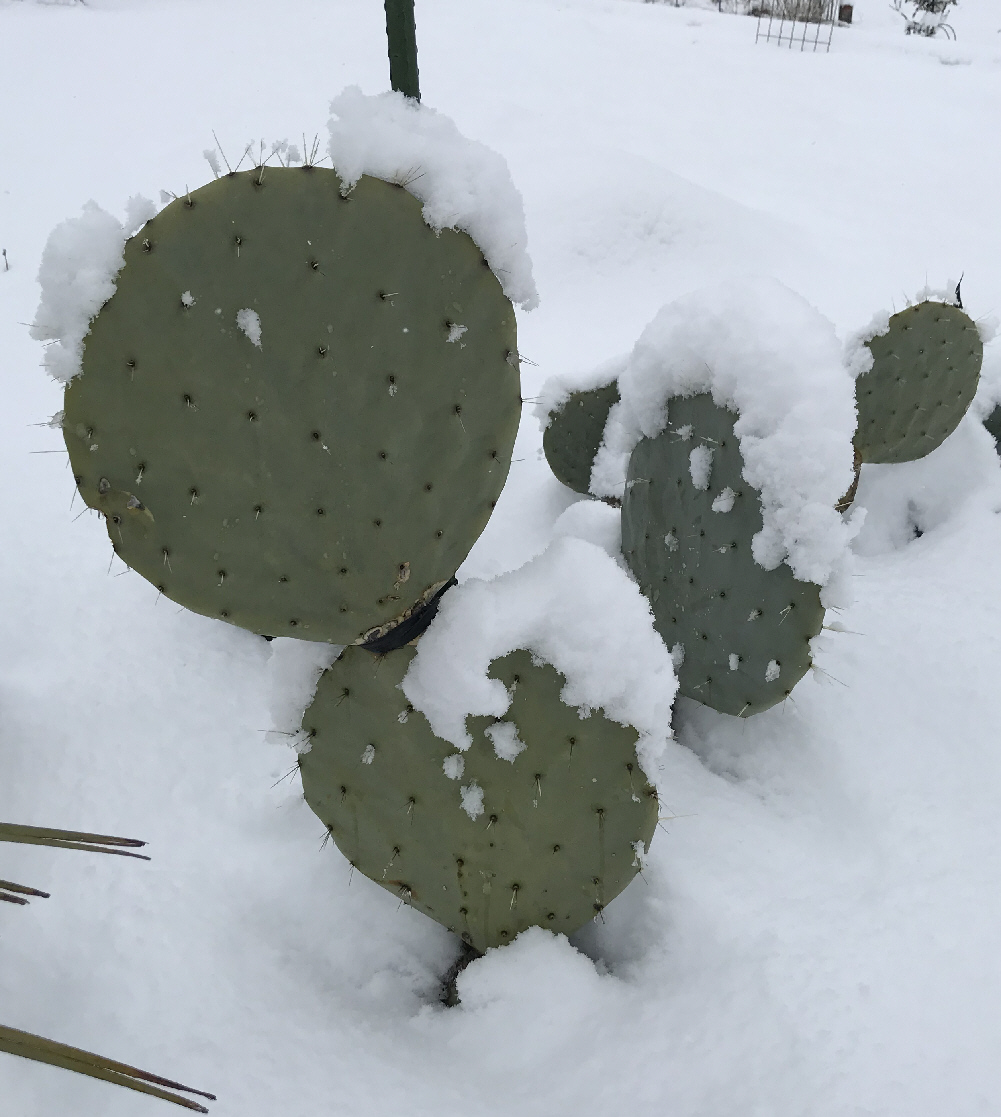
[925, 372]
[574, 434]
[298, 409]
[993, 425]
[547, 838]
[688, 518]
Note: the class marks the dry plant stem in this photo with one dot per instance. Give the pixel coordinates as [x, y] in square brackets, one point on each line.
[846, 501]
[70, 839]
[40, 1050]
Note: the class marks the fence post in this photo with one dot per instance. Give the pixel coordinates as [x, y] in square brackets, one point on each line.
[401, 31]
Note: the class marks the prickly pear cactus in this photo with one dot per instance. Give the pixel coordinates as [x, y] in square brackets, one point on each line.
[688, 518]
[993, 425]
[574, 434]
[298, 409]
[543, 823]
[924, 377]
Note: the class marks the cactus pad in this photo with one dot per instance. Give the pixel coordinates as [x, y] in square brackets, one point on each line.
[548, 838]
[574, 434]
[925, 372]
[745, 631]
[993, 424]
[298, 409]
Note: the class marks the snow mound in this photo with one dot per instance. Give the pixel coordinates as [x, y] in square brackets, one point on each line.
[573, 607]
[766, 353]
[462, 183]
[80, 262]
[595, 522]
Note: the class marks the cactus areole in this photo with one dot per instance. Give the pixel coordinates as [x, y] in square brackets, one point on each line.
[298, 408]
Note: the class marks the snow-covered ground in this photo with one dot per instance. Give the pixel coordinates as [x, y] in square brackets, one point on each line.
[816, 932]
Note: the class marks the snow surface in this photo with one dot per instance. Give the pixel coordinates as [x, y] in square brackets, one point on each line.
[574, 607]
[816, 929]
[766, 353]
[462, 183]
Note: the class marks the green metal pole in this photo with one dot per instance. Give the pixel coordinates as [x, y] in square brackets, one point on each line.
[402, 34]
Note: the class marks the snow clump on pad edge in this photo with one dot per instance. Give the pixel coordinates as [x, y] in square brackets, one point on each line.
[461, 183]
[557, 389]
[859, 357]
[766, 353]
[80, 263]
[573, 607]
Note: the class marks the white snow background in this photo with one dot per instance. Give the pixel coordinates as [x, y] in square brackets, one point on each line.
[816, 932]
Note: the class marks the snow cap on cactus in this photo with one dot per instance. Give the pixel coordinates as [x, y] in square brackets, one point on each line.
[766, 353]
[573, 607]
[80, 262]
[858, 356]
[461, 183]
[918, 372]
[558, 389]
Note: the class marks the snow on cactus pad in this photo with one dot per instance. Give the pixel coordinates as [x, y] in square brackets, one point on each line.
[278, 412]
[925, 370]
[499, 776]
[542, 821]
[573, 417]
[743, 633]
[763, 351]
[735, 425]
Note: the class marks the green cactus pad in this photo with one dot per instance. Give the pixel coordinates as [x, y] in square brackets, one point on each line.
[575, 432]
[560, 826]
[332, 478]
[993, 425]
[925, 373]
[745, 630]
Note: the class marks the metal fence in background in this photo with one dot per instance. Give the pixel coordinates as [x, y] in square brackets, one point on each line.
[796, 24]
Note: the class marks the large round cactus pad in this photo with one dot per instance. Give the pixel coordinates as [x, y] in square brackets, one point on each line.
[925, 372]
[745, 631]
[328, 479]
[559, 830]
[575, 432]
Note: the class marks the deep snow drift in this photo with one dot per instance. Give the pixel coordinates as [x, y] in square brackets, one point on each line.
[816, 928]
